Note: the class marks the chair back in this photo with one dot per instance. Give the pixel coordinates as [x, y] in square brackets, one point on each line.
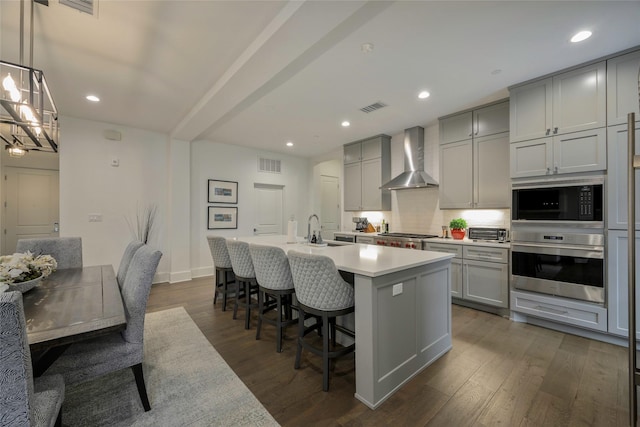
[318, 283]
[241, 259]
[131, 249]
[16, 391]
[271, 266]
[135, 291]
[219, 252]
[67, 251]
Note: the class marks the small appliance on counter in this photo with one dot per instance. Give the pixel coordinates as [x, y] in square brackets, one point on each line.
[362, 223]
[489, 234]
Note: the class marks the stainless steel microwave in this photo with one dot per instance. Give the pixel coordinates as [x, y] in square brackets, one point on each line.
[569, 202]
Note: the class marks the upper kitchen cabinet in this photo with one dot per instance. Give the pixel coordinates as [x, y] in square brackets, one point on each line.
[617, 158]
[584, 151]
[622, 88]
[567, 102]
[479, 122]
[474, 172]
[367, 165]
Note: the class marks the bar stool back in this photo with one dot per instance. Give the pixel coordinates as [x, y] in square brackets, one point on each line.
[222, 264]
[321, 292]
[274, 280]
[245, 278]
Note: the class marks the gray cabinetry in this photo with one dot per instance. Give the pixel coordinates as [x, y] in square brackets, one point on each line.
[456, 128]
[367, 165]
[474, 172]
[617, 288]
[568, 102]
[369, 240]
[583, 151]
[617, 177]
[622, 83]
[456, 264]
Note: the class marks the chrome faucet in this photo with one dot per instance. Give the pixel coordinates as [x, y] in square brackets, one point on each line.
[319, 237]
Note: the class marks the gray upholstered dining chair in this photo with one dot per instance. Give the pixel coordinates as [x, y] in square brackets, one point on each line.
[86, 360]
[223, 270]
[274, 280]
[246, 282]
[127, 256]
[67, 251]
[23, 401]
[323, 293]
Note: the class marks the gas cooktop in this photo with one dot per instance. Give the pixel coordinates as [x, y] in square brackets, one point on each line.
[408, 235]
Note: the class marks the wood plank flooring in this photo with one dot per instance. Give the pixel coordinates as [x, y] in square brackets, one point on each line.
[499, 373]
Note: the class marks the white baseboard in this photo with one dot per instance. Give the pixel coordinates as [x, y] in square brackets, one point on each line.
[181, 276]
[202, 272]
[161, 277]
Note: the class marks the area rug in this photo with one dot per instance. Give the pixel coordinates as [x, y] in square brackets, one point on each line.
[188, 382]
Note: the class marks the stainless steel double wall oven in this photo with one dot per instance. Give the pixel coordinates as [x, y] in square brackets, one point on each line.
[557, 240]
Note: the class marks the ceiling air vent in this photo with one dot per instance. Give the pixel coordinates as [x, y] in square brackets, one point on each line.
[269, 165]
[86, 6]
[373, 107]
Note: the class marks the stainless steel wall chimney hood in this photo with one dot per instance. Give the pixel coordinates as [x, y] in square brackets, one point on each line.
[414, 175]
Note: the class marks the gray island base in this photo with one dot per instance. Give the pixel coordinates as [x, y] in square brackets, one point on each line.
[402, 310]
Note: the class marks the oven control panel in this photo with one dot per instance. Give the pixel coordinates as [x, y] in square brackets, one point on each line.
[585, 203]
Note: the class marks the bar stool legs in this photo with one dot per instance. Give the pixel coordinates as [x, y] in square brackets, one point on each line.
[281, 301]
[222, 286]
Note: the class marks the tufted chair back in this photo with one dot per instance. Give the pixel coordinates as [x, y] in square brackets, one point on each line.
[131, 249]
[241, 259]
[67, 251]
[219, 252]
[317, 282]
[271, 266]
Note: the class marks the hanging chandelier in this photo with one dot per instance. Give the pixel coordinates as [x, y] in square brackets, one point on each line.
[28, 117]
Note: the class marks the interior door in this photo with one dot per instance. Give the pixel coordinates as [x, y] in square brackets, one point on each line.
[31, 205]
[330, 205]
[269, 201]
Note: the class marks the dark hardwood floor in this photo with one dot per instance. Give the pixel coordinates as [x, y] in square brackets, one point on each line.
[499, 373]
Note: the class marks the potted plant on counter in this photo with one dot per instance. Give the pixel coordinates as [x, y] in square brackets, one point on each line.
[458, 226]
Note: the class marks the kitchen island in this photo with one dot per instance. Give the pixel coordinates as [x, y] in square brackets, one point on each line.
[402, 310]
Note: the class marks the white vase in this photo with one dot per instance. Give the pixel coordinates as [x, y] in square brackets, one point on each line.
[25, 286]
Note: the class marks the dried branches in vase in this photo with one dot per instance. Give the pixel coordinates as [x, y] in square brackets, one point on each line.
[143, 225]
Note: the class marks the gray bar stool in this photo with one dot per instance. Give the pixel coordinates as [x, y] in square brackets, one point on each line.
[274, 280]
[224, 271]
[321, 292]
[245, 278]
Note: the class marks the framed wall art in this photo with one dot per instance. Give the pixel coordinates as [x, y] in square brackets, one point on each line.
[219, 217]
[222, 191]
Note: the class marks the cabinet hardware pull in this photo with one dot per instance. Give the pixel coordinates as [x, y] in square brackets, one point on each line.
[551, 310]
[548, 170]
[555, 130]
[555, 169]
[548, 131]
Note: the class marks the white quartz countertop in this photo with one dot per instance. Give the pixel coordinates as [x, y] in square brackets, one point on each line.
[366, 260]
[466, 241]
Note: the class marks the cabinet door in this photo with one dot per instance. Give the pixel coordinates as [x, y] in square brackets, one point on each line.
[622, 88]
[530, 110]
[371, 182]
[372, 148]
[617, 177]
[456, 175]
[580, 151]
[617, 289]
[491, 171]
[580, 99]
[491, 120]
[353, 187]
[486, 282]
[531, 158]
[456, 128]
[352, 153]
[456, 278]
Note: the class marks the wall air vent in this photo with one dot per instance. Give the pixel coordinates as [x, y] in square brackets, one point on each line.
[269, 165]
[86, 6]
[373, 107]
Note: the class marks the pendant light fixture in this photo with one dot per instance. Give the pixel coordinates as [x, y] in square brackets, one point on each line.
[28, 117]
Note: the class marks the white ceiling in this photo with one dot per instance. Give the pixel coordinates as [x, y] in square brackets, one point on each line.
[260, 73]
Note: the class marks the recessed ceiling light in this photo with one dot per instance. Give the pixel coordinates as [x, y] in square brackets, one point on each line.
[346, 124]
[424, 94]
[366, 47]
[582, 35]
[93, 98]
[289, 144]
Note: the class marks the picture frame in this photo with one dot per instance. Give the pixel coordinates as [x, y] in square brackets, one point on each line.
[219, 191]
[222, 217]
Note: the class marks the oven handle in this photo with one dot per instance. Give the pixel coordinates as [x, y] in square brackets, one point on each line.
[596, 252]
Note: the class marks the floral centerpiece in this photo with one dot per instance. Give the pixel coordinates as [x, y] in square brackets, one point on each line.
[24, 267]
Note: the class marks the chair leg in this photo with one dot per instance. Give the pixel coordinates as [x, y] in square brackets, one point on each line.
[260, 313]
[224, 290]
[142, 389]
[216, 280]
[279, 323]
[247, 308]
[235, 303]
[325, 353]
[296, 365]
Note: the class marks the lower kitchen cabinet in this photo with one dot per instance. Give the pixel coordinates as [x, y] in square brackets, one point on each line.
[617, 279]
[479, 273]
[369, 240]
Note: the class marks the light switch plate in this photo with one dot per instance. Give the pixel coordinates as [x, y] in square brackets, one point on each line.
[397, 289]
[95, 217]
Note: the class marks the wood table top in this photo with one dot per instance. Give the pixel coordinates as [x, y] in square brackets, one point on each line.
[73, 304]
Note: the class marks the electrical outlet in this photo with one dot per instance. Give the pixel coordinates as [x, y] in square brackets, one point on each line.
[95, 217]
[397, 289]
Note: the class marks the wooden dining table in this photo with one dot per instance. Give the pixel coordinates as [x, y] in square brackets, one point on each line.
[71, 305]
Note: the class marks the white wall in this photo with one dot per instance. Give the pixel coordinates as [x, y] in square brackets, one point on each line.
[89, 184]
[233, 163]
